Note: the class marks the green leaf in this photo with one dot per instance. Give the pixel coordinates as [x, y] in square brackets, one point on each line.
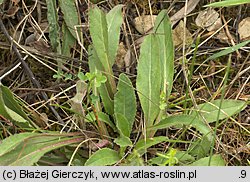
[227, 3]
[148, 82]
[164, 33]
[123, 141]
[184, 120]
[10, 109]
[1, 2]
[81, 76]
[102, 117]
[53, 25]
[99, 34]
[70, 15]
[216, 160]
[68, 40]
[122, 125]
[95, 1]
[200, 147]
[114, 21]
[142, 145]
[10, 102]
[228, 50]
[99, 79]
[125, 101]
[30, 148]
[183, 157]
[210, 109]
[103, 157]
[11, 142]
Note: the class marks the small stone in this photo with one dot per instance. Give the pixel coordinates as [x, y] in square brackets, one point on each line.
[144, 23]
[244, 29]
[206, 18]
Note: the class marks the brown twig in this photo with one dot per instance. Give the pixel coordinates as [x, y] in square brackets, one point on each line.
[28, 70]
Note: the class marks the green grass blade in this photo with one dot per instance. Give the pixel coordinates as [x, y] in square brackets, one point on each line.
[227, 3]
[228, 50]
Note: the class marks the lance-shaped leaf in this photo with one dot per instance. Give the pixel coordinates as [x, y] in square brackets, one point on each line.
[114, 21]
[70, 15]
[99, 34]
[29, 148]
[68, 40]
[143, 144]
[148, 82]
[10, 109]
[163, 30]
[124, 129]
[182, 119]
[216, 160]
[13, 141]
[103, 157]
[210, 110]
[53, 25]
[125, 101]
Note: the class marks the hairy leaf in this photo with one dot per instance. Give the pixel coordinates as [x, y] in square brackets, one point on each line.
[210, 110]
[11, 142]
[103, 157]
[184, 120]
[68, 40]
[123, 125]
[123, 141]
[30, 148]
[99, 34]
[70, 15]
[148, 82]
[216, 160]
[163, 30]
[125, 101]
[53, 25]
[10, 109]
[114, 21]
[143, 144]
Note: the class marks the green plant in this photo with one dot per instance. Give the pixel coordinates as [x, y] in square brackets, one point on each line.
[153, 85]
